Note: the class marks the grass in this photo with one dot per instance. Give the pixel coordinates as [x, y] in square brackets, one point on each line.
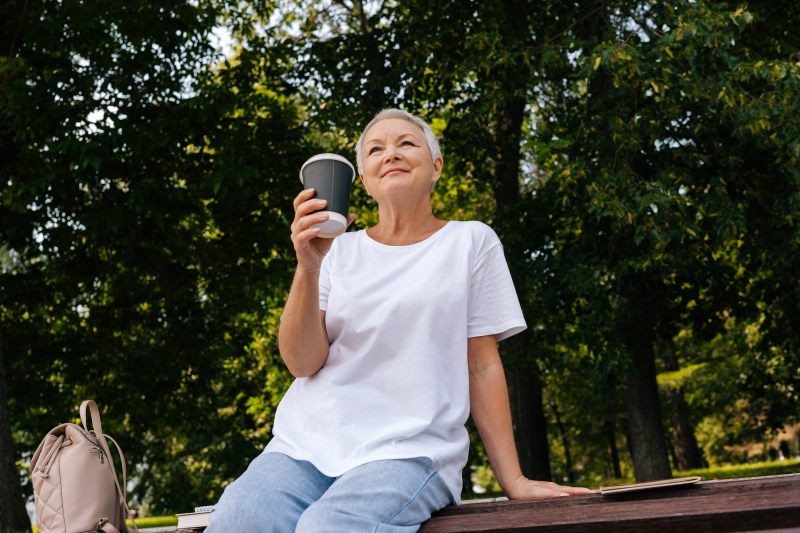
[141, 523]
[156, 521]
[767, 468]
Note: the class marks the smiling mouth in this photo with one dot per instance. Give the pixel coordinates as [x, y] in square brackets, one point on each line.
[392, 171]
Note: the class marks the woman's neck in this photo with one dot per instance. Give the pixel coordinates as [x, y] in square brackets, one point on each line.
[402, 228]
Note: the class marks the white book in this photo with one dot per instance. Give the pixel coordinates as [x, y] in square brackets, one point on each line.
[199, 518]
[651, 485]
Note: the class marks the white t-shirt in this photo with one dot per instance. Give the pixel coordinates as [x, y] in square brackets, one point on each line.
[395, 384]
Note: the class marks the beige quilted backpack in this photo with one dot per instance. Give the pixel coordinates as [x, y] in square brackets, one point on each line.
[74, 480]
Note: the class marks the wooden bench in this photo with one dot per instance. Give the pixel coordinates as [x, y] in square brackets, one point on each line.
[765, 504]
[769, 503]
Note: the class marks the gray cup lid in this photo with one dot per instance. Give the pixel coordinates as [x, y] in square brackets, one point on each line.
[326, 155]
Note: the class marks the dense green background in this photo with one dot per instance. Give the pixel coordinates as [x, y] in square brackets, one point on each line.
[639, 159]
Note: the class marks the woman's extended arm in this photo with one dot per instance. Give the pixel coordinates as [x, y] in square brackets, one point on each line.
[302, 338]
[490, 409]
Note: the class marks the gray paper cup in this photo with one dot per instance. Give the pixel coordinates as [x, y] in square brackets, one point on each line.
[332, 177]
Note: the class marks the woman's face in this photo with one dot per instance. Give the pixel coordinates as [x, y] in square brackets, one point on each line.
[397, 160]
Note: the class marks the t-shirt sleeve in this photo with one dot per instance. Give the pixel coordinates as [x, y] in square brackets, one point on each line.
[325, 279]
[493, 304]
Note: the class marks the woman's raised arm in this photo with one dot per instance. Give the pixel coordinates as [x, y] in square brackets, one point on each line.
[302, 338]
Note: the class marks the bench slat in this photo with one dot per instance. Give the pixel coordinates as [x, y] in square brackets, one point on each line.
[754, 504]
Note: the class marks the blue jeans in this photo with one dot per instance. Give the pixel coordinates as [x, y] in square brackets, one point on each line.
[281, 495]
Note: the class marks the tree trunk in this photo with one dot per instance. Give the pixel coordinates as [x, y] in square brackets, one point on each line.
[650, 457]
[525, 388]
[530, 424]
[12, 15]
[687, 453]
[612, 447]
[12, 505]
[466, 473]
[564, 442]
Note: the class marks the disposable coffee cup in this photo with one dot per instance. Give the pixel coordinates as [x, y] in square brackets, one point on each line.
[331, 176]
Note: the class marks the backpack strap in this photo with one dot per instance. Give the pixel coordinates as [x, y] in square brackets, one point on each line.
[106, 527]
[94, 412]
[122, 492]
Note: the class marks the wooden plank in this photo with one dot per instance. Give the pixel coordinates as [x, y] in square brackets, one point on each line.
[754, 504]
[782, 530]
[766, 505]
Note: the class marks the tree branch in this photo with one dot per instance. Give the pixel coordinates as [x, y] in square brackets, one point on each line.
[8, 43]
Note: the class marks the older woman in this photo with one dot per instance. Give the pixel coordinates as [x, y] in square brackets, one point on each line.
[392, 335]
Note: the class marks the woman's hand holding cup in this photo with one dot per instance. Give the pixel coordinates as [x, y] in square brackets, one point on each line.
[310, 248]
[321, 209]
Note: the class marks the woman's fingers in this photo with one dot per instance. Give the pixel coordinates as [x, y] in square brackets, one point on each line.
[537, 491]
[304, 204]
[309, 206]
[576, 490]
[309, 249]
[305, 236]
[523, 488]
[302, 196]
[307, 221]
[563, 490]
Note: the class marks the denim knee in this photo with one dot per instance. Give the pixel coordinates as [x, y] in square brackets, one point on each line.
[392, 496]
[235, 512]
[269, 497]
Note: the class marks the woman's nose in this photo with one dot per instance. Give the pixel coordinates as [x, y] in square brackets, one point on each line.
[390, 153]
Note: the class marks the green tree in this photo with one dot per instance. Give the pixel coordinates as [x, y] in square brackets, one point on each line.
[638, 158]
[662, 158]
[144, 200]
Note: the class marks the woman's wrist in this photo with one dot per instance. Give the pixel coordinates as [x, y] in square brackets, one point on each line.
[308, 270]
[506, 481]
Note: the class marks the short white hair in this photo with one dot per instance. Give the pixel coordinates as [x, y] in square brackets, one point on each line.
[427, 133]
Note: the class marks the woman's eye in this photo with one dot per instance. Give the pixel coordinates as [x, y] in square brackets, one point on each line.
[374, 149]
[404, 143]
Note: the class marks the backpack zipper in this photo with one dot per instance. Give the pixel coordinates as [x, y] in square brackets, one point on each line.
[99, 451]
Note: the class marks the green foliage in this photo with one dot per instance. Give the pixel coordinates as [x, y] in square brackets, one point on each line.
[678, 378]
[667, 181]
[145, 205]
[738, 390]
[147, 184]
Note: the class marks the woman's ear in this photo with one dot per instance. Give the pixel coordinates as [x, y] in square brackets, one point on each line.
[438, 164]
